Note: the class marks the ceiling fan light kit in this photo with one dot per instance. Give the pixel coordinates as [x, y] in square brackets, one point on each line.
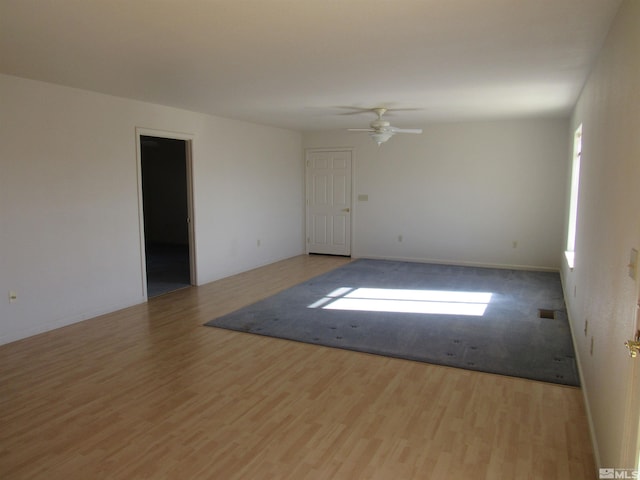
[381, 130]
[381, 137]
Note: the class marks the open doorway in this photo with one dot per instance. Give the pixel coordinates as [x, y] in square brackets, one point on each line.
[164, 164]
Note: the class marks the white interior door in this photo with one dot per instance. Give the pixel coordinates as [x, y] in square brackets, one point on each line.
[635, 388]
[631, 450]
[328, 179]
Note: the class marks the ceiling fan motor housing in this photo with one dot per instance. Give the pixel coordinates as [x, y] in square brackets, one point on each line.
[380, 124]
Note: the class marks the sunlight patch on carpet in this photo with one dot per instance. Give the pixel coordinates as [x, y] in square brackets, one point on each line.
[442, 302]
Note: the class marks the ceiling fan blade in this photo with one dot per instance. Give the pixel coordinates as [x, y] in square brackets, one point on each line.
[361, 129]
[353, 110]
[405, 130]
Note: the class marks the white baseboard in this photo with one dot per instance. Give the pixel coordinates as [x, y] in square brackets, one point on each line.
[461, 263]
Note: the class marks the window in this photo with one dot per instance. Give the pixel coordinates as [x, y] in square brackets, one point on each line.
[573, 199]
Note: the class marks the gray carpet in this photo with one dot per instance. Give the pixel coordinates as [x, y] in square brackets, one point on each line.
[474, 318]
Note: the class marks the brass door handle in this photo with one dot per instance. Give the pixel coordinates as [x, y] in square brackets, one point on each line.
[633, 345]
[346, 210]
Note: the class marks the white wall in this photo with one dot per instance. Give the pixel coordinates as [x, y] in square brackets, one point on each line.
[608, 227]
[461, 193]
[69, 226]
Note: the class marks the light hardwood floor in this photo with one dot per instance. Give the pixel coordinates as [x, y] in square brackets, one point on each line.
[148, 392]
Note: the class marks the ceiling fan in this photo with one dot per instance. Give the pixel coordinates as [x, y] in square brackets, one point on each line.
[381, 130]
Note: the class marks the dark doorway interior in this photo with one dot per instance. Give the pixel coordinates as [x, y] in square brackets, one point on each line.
[166, 213]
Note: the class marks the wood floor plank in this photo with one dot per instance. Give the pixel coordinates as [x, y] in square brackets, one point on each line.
[149, 392]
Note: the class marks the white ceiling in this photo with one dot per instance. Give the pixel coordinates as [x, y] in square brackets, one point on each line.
[295, 63]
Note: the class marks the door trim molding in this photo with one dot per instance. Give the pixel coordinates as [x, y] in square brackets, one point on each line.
[189, 139]
[309, 150]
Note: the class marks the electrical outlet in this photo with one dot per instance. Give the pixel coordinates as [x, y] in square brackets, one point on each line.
[514, 244]
[258, 243]
[13, 297]
[400, 238]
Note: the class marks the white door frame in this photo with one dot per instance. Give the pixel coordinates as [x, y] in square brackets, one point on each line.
[307, 151]
[188, 138]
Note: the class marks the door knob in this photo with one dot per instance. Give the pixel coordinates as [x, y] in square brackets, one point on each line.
[346, 210]
[633, 345]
